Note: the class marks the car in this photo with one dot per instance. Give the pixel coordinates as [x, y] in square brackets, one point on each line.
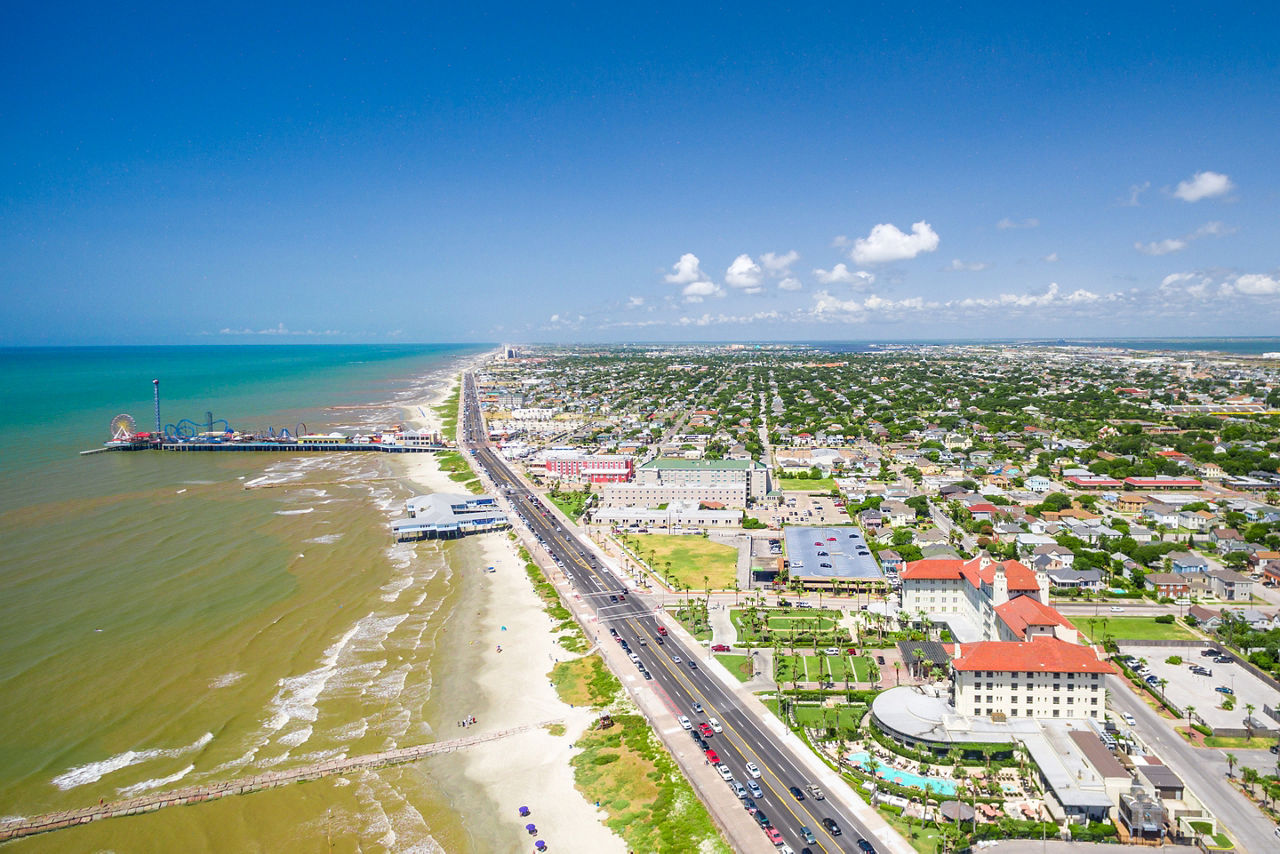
[719, 647]
[659, 640]
[831, 539]
[662, 630]
[831, 650]
[613, 598]
[755, 789]
[693, 665]
[866, 847]
[739, 792]
[814, 792]
[825, 565]
[706, 730]
[1116, 609]
[831, 826]
[700, 741]
[817, 542]
[643, 642]
[762, 819]
[676, 659]
[613, 632]
[753, 770]
[774, 836]
[725, 773]
[1222, 659]
[796, 793]
[879, 659]
[1210, 652]
[1128, 718]
[715, 724]
[1152, 679]
[808, 835]
[647, 674]
[749, 805]
[713, 757]
[822, 554]
[685, 722]
[697, 707]
[1274, 749]
[635, 659]
[1202, 671]
[1223, 689]
[786, 849]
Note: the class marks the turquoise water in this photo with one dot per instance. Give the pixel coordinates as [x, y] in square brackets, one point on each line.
[903, 778]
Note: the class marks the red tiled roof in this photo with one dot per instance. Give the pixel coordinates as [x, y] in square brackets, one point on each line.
[1018, 575]
[1023, 611]
[1041, 654]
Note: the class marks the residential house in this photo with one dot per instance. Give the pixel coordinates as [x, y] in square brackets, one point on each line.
[1187, 562]
[1130, 502]
[891, 561]
[1038, 483]
[1080, 579]
[897, 513]
[1161, 514]
[1230, 585]
[1226, 540]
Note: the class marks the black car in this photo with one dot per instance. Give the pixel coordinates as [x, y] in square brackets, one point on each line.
[1222, 659]
[879, 659]
[693, 665]
[796, 793]
[1210, 652]
[762, 819]
[831, 826]
[866, 847]
[659, 640]
[613, 632]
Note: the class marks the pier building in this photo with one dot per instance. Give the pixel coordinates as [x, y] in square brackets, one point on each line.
[445, 516]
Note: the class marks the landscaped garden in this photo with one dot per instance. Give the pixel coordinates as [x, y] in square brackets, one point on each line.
[822, 668]
[740, 666]
[1131, 628]
[789, 627]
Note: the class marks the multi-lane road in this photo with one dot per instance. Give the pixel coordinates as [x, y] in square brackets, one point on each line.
[678, 673]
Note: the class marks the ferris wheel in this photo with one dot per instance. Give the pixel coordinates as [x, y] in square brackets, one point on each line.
[122, 428]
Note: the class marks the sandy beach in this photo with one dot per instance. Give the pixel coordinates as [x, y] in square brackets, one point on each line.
[511, 689]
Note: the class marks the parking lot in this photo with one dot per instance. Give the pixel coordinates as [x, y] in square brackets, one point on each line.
[1185, 688]
[802, 509]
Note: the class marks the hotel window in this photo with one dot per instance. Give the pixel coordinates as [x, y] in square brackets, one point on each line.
[1071, 701]
[1055, 713]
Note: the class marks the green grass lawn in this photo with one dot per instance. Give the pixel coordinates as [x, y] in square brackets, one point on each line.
[782, 623]
[738, 665]
[570, 503]
[692, 558]
[844, 716]
[800, 484]
[1131, 628]
[818, 668]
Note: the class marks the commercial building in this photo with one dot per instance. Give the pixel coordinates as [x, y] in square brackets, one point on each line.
[669, 471]
[640, 495]
[1043, 677]
[978, 599]
[676, 514]
[442, 516]
[590, 468]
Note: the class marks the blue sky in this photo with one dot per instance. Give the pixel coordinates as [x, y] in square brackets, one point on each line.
[327, 173]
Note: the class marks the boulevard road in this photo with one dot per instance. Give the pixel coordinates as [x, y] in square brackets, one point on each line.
[678, 675]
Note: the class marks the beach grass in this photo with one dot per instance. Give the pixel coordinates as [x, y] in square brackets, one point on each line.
[585, 681]
[650, 804]
[740, 666]
[688, 559]
[1131, 628]
[570, 633]
[448, 412]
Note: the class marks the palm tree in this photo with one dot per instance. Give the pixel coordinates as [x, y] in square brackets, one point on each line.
[897, 674]
[1231, 763]
[1250, 777]
[1162, 683]
[1248, 721]
[735, 592]
[1190, 713]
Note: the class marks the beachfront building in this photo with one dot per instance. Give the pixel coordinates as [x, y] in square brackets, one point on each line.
[641, 495]
[674, 515]
[590, 468]
[444, 516]
[1044, 677]
[751, 475]
[979, 599]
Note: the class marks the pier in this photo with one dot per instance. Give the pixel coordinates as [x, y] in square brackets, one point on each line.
[277, 447]
[30, 826]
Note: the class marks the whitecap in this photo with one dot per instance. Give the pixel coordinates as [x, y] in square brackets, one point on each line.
[155, 783]
[92, 772]
[295, 512]
[324, 540]
[226, 680]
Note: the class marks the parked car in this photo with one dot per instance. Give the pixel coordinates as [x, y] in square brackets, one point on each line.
[725, 773]
[774, 836]
[762, 819]
[712, 756]
[738, 791]
[719, 647]
[685, 722]
[749, 805]
[1223, 689]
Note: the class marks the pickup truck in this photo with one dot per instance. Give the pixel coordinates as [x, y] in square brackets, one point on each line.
[814, 792]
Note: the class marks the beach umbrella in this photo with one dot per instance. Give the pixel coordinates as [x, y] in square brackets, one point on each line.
[531, 828]
[540, 845]
[524, 811]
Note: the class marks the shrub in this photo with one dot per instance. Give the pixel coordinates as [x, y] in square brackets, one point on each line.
[1165, 619]
[1173, 659]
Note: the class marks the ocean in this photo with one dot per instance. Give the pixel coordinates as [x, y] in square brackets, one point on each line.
[161, 625]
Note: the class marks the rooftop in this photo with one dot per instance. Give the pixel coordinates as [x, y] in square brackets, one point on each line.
[1040, 654]
[677, 464]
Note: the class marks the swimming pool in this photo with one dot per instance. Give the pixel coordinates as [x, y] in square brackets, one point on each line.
[904, 778]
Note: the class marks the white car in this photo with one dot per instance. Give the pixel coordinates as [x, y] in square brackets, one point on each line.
[753, 770]
[1116, 609]
[676, 659]
[831, 650]
[724, 771]
[1128, 718]
[684, 722]
[715, 725]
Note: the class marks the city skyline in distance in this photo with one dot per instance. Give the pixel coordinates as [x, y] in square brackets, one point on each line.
[183, 176]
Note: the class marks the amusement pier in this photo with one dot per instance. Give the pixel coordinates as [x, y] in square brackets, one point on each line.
[218, 435]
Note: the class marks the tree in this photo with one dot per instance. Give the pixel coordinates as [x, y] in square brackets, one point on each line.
[897, 672]
[1231, 763]
[1248, 721]
[1191, 710]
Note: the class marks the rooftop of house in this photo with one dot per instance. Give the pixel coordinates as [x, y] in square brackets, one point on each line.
[1041, 654]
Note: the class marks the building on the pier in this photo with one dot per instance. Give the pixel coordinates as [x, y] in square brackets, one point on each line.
[443, 516]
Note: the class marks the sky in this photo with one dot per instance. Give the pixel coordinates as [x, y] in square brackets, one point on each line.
[237, 173]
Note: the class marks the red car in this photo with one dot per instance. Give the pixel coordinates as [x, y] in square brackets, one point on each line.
[719, 647]
[706, 730]
[662, 630]
[774, 836]
[713, 756]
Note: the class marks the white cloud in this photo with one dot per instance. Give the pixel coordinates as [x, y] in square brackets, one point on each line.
[779, 265]
[1052, 296]
[1026, 223]
[887, 243]
[279, 329]
[841, 274]
[958, 266]
[1161, 247]
[1134, 192]
[687, 270]
[1203, 185]
[1177, 244]
[1051, 258]
[696, 291]
[743, 273]
[839, 241]
[635, 302]
[790, 283]
[1256, 284]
